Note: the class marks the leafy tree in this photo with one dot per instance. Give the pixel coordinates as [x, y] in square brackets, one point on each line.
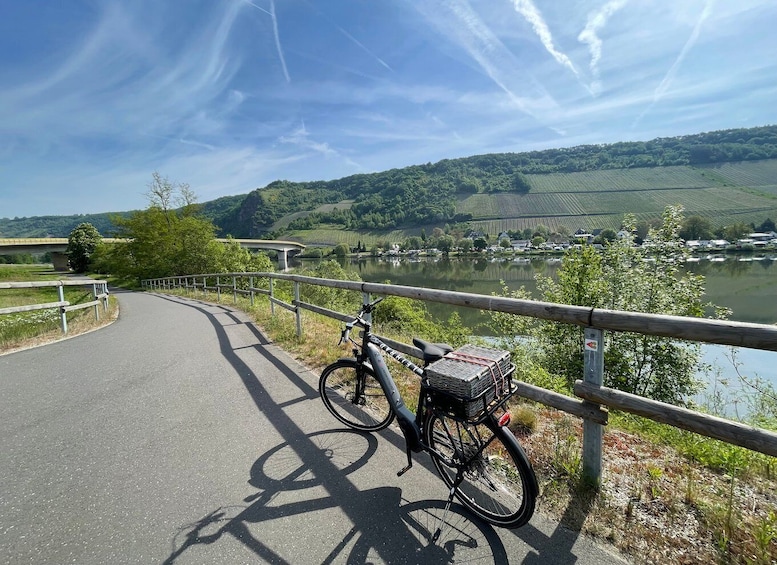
[162, 241]
[505, 243]
[341, 250]
[626, 277]
[696, 227]
[464, 245]
[81, 245]
[445, 244]
[333, 298]
[413, 242]
[767, 226]
[608, 235]
[736, 231]
[479, 243]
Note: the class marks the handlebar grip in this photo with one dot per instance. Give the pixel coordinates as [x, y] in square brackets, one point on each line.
[367, 308]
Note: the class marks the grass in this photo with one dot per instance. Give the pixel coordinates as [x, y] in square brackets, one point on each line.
[26, 329]
[666, 495]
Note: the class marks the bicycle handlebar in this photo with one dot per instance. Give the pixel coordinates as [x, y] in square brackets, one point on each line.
[359, 320]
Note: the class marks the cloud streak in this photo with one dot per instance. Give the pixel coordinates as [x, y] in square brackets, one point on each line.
[590, 35]
[669, 77]
[462, 25]
[529, 11]
[276, 35]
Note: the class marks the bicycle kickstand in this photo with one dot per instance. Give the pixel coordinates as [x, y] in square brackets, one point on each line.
[437, 533]
[409, 462]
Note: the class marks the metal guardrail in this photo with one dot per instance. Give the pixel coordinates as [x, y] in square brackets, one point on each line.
[593, 397]
[99, 291]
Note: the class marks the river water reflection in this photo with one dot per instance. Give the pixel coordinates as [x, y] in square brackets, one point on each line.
[747, 284]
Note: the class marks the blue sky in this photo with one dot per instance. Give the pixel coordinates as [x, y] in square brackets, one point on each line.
[229, 95]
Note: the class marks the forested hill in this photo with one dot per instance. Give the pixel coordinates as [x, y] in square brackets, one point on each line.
[427, 194]
[424, 195]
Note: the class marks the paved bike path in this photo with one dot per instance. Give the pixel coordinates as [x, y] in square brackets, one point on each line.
[180, 435]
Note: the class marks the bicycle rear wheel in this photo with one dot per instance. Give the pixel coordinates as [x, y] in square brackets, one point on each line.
[497, 481]
[354, 396]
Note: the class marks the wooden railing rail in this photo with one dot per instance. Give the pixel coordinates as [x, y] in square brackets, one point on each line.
[593, 397]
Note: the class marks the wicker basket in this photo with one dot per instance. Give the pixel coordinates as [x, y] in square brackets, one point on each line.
[474, 377]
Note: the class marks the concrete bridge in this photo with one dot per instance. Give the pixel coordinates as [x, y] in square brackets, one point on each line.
[57, 246]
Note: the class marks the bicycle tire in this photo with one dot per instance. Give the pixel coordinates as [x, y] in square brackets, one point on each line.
[369, 411]
[499, 484]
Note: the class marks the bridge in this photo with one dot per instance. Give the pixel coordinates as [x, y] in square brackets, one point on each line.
[57, 246]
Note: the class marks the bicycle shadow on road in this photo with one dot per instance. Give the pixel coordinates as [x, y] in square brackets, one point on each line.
[396, 533]
[401, 532]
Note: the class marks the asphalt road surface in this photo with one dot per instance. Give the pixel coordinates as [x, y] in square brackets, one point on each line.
[180, 435]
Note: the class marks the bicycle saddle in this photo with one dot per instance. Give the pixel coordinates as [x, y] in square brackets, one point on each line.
[432, 351]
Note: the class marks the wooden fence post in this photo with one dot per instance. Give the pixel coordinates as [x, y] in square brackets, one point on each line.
[298, 310]
[96, 306]
[62, 311]
[272, 296]
[592, 432]
[366, 300]
[251, 289]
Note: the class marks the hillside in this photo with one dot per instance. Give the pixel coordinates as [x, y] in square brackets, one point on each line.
[726, 176]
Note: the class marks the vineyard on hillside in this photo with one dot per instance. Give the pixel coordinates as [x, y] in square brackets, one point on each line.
[724, 193]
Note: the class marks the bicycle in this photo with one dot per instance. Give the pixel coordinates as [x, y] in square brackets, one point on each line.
[473, 451]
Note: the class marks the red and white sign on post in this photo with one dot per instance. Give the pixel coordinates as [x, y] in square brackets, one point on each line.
[591, 345]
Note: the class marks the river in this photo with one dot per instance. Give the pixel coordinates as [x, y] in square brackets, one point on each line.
[746, 284]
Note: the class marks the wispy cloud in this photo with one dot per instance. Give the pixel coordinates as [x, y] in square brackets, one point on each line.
[467, 29]
[301, 138]
[669, 77]
[532, 15]
[361, 46]
[276, 35]
[590, 35]
[278, 41]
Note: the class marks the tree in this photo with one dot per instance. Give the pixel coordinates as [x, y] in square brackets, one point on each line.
[445, 244]
[736, 231]
[504, 243]
[81, 245]
[161, 241]
[341, 250]
[608, 235]
[631, 278]
[464, 245]
[696, 227]
[480, 243]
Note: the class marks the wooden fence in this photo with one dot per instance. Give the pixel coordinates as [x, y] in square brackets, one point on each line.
[99, 291]
[593, 398]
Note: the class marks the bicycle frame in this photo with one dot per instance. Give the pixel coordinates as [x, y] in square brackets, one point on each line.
[452, 428]
[409, 423]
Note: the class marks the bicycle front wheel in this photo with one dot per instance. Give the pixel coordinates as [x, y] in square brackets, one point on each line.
[494, 476]
[354, 396]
